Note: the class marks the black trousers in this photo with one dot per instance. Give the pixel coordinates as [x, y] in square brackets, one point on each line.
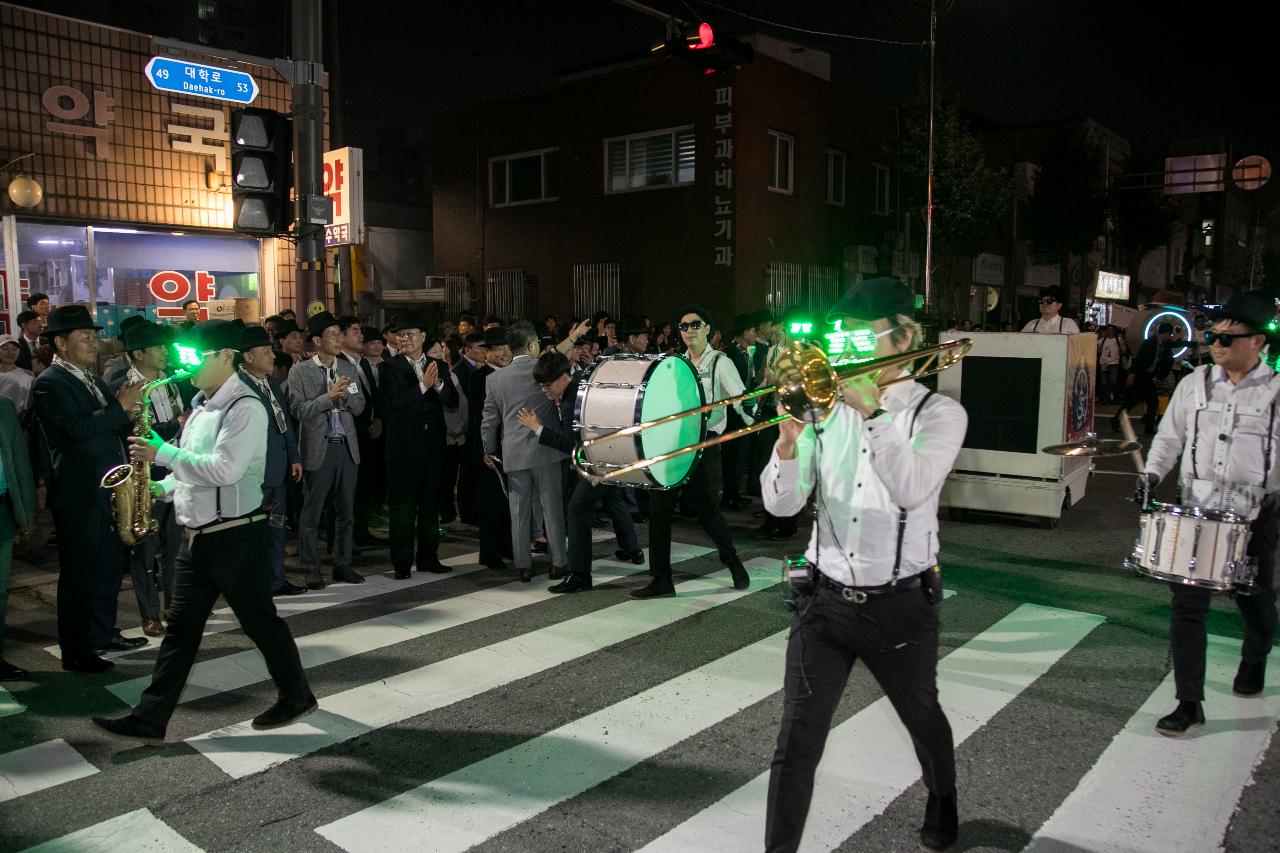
[413, 497]
[1190, 604]
[731, 460]
[450, 498]
[495, 517]
[91, 564]
[581, 512]
[896, 636]
[371, 481]
[469, 472]
[235, 564]
[701, 492]
[1143, 390]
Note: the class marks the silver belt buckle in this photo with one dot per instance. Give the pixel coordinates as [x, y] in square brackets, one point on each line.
[857, 596]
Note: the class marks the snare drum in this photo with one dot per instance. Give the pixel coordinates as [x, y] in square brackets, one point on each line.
[1195, 547]
[625, 390]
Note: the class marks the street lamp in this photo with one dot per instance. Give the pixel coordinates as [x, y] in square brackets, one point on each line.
[24, 191]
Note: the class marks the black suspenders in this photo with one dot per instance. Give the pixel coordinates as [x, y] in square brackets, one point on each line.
[902, 513]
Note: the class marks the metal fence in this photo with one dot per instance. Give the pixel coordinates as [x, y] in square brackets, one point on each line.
[506, 294]
[597, 287]
[457, 295]
[813, 287]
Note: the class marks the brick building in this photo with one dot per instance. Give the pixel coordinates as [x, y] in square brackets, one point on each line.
[637, 187]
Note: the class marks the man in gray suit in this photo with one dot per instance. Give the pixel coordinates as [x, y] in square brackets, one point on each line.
[324, 397]
[531, 468]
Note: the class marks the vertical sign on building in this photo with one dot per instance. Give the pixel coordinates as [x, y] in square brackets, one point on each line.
[723, 159]
[344, 185]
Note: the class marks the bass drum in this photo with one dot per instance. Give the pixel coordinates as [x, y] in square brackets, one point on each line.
[625, 390]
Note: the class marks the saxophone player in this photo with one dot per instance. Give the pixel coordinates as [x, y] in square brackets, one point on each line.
[83, 425]
[215, 483]
[146, 347]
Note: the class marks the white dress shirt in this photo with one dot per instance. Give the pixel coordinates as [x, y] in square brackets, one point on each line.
[221, 459]
[720, 381]
[869, 472]
[1226, 439]
[1057, 326]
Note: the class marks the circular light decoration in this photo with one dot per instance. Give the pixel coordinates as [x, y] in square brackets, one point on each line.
[1176, 315]
[25, 191]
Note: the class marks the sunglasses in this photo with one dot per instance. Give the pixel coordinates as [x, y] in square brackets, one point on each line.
[693, 326]
[1225, 339]
[1048, 300]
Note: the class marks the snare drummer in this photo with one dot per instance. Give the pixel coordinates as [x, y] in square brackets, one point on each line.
[1222, 421]
[876, 468]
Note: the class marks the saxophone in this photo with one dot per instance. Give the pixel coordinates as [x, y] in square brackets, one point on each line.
[130, 485]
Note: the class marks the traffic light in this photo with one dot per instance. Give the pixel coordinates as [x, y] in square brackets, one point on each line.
[698, 45]
[261, 171]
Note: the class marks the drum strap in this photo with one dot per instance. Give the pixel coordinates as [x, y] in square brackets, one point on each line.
[902, 513]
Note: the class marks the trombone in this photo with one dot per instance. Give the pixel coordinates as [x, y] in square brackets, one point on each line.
[808, 386]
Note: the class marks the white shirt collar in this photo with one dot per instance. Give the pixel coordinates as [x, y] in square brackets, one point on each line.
[1261, 373]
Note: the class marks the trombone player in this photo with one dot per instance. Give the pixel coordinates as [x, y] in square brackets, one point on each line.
[875, 466]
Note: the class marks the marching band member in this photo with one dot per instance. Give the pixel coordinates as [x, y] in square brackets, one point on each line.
[876, 467]
[1222, 423]
[215, 483]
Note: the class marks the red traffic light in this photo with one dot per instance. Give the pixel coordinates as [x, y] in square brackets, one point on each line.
[704, 38]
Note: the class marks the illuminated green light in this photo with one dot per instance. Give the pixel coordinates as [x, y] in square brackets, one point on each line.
[919, 301]
[188, 356]
[801, 328]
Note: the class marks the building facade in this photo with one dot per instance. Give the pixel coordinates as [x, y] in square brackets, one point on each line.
[643, 186]
[137, 207]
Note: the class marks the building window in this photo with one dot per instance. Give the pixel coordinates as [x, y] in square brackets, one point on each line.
[835, 177]
[881, 203]
[648, 161]
[525, 178]
[780, 160]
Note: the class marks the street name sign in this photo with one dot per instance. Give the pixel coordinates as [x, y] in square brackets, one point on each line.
[191, 78]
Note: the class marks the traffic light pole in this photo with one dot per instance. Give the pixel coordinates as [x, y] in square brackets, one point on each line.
[308, 150]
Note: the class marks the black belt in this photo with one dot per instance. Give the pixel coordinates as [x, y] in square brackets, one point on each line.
[228, 523]
[859, 594]
[336, 439]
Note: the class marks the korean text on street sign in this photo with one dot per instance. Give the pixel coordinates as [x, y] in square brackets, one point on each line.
[191, 78]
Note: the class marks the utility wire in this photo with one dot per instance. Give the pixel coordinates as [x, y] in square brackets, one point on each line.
[849, 36]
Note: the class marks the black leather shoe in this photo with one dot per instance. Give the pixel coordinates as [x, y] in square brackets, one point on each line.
[289, 589]
[555, 573]
[941, 824]
[576, 582]
[526, 575]
[1187, 716]
[120, 643]
[315, 581]
[435, 568]
[132, 728]
[624, 556]
[87, 662]
[659, 587]
[347, 575]
[639, 518]
[495, 563]
[9, 672]
[1249, 679]
[403, 574]
[741, 580]
[283, 713]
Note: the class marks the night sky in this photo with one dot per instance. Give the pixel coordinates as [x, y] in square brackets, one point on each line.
[1196, 71]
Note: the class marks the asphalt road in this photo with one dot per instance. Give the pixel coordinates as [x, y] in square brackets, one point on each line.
[473, 713]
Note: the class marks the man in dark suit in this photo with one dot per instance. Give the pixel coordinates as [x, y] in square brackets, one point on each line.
[376, 459]
[1151, 366]
[471, 361]
[414, 394]
[84, 427]
[368, 429]
[284, 463]
[495, 513]
[28, 338]
[732, 470]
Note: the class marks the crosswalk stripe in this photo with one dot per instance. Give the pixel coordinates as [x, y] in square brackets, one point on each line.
[1147, 792]
[465, 808]
[9, 705]
[34, 768]
[241, 669]
[135, 830]
[240, 751]
[869, 760]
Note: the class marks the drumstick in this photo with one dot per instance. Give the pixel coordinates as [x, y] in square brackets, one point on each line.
[1127, 428]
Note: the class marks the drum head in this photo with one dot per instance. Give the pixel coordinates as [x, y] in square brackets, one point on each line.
[672, 386]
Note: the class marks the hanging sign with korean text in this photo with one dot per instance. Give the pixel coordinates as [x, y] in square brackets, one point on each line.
[191, 78]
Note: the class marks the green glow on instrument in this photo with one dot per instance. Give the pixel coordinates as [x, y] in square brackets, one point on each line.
[188, 356]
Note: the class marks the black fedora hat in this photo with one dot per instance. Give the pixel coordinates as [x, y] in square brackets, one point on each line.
[631, 325]
[254, 336]
[69, 318]
[319, 322]
[145, 335]
[495, 337]
[287, 327]
[210, 335]
[1255, 311]
[410, 320]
